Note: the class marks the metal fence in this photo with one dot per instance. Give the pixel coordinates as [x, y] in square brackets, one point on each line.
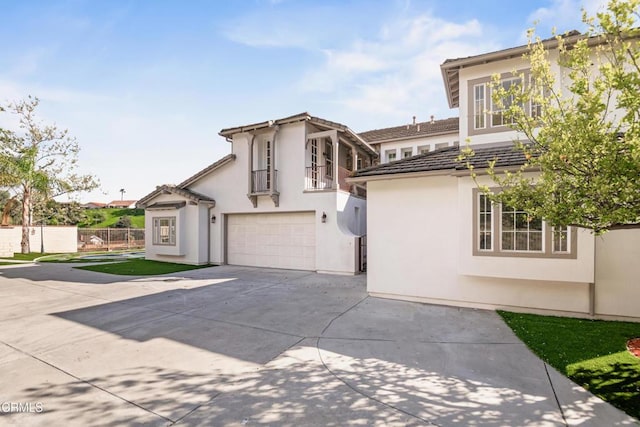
[109, 239]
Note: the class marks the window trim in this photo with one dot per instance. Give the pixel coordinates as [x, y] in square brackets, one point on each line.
[496, 251]
[489, 128]
[173, 231]
[405, 150]
[482, 114]
[388, 152]
[493, 112]
[424, 149]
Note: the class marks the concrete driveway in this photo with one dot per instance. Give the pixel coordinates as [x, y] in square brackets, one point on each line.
[246, 346]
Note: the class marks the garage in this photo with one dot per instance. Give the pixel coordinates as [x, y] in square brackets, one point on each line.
[275, 240]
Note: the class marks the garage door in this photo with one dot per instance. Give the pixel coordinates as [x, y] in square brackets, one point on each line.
[279, 240]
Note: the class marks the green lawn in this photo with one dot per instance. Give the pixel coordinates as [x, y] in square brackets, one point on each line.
[112, 215]
[26, 257]
[591, 352]
[141, 267]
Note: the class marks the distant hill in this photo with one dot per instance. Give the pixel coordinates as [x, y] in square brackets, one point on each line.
[108, 217]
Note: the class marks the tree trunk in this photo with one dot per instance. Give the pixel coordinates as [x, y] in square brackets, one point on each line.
[26, 207]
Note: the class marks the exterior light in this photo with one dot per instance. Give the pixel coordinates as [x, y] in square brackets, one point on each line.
[213, 219]
[324, 217]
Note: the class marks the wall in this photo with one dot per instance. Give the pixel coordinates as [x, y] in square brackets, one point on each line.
[617, 288]
[418, 252]
[191, 233]
[59, 239]
[414, 143]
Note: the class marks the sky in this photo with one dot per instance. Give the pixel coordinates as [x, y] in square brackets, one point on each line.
[145, 86]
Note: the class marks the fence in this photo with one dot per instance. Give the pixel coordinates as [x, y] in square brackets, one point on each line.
[109, 239]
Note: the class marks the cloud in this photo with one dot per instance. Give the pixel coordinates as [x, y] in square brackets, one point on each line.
[564, 15]
[396, 72]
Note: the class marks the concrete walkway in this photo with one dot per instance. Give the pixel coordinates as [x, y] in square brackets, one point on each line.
[229, 346]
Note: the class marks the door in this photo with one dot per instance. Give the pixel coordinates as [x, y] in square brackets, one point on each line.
[275, 240]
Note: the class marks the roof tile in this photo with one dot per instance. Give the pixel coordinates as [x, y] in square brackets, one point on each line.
[447, 159]
[412, 130]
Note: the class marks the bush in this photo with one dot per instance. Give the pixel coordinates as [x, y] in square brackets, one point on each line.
[123, 222]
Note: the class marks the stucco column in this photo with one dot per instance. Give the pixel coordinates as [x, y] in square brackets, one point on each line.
[336, 151]
[250, 166]
[272, 170]
[354, 157]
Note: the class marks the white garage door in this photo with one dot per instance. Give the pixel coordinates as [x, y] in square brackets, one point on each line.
[278, 240]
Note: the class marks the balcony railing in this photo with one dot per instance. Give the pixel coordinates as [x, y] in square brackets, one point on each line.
[261, 181]
[318, 178]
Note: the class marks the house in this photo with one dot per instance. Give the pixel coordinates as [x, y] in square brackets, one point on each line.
[280, 199]
[400, 142]
[122, 204]
[93, 205]
[433, 237]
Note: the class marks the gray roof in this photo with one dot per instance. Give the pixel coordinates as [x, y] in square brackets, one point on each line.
[446, 160]
[303, 117]
[172, 189]
[450, 68]
[417, 130]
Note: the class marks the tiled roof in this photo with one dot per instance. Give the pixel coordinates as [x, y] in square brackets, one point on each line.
[446, 159]
[317, 121]
[121, 202]
[172, 189]
[411, 130]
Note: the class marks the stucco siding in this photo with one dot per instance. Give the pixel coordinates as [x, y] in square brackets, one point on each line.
[617, 286]
[415, 250]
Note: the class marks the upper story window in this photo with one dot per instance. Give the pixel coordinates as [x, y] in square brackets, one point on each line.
[498, 118]
[423, 149]
[486, 116]
[390, 155]
[479, 106]
[328, 157]
[407, 152]
[505, 231]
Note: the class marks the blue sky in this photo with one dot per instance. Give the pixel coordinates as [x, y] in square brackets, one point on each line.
[145, 86]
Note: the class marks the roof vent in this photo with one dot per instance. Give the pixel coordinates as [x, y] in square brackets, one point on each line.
[414, 120]
[433, 119]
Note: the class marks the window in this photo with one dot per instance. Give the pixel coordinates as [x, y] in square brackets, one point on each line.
[479, 106]
[498, 118]
[519, 231]
[164, 231]
[487, 117]
[424, 149]
[560, 243]
[535, 108]
[390, 155]
[485, 223]
[407, 152]
[505, 231]
[442, 145]
[328, 158]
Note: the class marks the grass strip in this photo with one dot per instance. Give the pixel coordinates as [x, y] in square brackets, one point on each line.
[592, 353]
[140, 267]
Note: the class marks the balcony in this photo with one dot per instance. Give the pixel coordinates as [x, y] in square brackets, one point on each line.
[318, 178]
[261, 181]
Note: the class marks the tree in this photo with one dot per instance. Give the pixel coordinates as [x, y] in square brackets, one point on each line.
[584, 146]
[122, 191]
[38, 159]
